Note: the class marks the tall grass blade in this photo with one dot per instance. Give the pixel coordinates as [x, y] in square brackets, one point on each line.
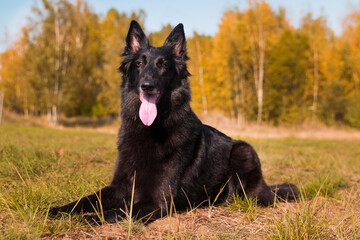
[131, 207]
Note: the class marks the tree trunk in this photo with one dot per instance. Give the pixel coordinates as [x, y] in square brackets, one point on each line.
[55, 114]
[239, 97]
[26, 105]
[55, 117]
[316, 83]
[258, 60]
[260, 89]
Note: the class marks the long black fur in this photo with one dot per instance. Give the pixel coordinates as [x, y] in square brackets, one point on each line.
[176, 159]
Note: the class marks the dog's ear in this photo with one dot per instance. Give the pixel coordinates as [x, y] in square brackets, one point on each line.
[176, 40]
[135, 39]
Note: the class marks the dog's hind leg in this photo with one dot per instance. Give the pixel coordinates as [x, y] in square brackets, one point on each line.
[285, 191]
[246, 175]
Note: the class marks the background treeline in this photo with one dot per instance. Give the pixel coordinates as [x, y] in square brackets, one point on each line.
[257, 68]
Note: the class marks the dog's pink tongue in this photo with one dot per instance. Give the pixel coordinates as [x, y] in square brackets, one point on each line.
[148, 109]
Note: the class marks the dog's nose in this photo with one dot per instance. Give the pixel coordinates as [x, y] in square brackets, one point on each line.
[147, 85]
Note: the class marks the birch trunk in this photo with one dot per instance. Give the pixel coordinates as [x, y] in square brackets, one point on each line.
[260, 89]
[258, 60]
[316, 83]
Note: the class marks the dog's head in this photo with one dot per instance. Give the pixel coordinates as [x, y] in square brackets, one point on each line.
[154, 73]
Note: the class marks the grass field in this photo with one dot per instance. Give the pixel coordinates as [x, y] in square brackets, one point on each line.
[41, 167]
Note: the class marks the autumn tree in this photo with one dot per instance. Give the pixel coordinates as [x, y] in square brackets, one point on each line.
[285, 100]
[263, 26]
[241, 49]
[49, 44]
[343, 89]
[200, 48]
[231, 65]
[320, 40]
[13, 83]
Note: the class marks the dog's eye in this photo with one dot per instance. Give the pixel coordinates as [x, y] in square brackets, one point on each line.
[161, 63]
[139, 63]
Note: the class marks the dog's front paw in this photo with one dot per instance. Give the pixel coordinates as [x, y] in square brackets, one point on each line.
[93, 219]
[54, 211]
[111, 216]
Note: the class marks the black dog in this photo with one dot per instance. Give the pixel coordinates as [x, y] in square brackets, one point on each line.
[165, 149]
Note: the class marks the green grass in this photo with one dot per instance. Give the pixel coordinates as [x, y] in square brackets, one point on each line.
[34, 176]
[245, 204]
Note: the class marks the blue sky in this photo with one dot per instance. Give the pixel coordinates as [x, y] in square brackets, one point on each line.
[202, 16]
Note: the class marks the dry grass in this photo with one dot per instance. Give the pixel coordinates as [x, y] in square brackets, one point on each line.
[304, 131]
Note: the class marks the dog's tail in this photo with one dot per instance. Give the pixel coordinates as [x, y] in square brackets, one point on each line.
[285, 191]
